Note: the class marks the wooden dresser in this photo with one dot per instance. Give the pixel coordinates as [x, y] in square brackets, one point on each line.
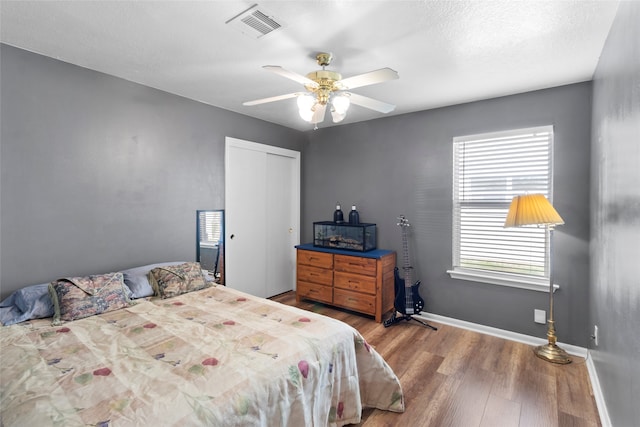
[358, 281]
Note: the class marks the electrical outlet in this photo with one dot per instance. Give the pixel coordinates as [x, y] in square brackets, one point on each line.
[595, 335]
[539, 316]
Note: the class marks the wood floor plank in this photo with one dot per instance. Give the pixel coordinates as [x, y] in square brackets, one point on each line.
[487, 355]
[568, 420]
[500, 412]
[575, 397]
[466, 406]
[442, 341]
[412, 379]
[458, 358]
[512, 371]
[538, 399]
[456, 377]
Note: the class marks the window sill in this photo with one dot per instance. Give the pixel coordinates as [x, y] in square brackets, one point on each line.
[208, 245]
[510, 280]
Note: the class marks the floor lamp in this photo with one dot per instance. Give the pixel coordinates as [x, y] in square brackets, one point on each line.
[535, 209]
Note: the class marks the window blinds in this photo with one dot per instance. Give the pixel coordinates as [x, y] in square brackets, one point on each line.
[210, 223]
[490, 169]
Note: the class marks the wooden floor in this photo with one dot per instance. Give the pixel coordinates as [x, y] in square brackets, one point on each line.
[455, 377]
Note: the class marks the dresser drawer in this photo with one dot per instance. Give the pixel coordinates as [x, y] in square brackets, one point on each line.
[314, 291]
[318, 275]
[316, 259]
[354, 282]
[354, 301]
[357, 265]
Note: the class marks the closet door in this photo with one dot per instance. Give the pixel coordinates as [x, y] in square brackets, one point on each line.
[262, 203]
[245, 222]
[280, 219]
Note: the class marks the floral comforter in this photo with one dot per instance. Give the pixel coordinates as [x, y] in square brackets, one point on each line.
[214, 357]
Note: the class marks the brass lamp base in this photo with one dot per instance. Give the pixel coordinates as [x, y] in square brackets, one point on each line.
[552, 353]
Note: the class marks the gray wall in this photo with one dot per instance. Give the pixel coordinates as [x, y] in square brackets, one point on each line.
[615, 210]
[403, 165]
[100, 174]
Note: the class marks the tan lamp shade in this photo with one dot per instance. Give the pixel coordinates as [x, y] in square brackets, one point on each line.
[531, 209]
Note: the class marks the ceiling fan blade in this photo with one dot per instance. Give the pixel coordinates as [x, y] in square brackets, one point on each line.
[272, 99]
[318, 113]
[370, 78]
[371, 103]
[290, 75]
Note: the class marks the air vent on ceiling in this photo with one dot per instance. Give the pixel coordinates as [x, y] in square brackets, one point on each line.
[255, 22]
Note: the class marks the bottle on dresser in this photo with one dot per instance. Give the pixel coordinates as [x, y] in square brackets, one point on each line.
[354, 216]
[338, 216]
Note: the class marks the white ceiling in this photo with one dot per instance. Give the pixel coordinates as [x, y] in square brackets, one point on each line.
[446, 52]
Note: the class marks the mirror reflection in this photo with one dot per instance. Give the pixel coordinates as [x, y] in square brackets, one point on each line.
[210, 242]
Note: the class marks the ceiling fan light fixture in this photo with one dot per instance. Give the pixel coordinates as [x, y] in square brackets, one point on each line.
[306, 101]
[318, 113]
[306, 115]
[305, 106]
[340, 104]
[337, 117]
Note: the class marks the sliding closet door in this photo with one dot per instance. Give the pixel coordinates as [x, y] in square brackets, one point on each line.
[262, 203]
[245, 225]
[281, 234]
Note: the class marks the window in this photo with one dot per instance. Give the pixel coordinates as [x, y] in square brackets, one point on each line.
[488, 170]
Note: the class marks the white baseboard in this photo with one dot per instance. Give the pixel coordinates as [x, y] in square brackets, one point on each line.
[501, 333]
[534, 341]
[597, 393]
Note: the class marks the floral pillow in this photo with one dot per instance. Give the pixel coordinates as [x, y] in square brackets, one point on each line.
[173, 280]
[137, 279]
[77, 297]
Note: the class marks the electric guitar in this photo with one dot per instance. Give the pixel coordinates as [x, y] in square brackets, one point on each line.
[408, 301]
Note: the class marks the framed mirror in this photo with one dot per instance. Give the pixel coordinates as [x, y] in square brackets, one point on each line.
[210, 242]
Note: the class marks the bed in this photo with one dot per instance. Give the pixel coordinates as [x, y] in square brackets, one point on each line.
[213, 356]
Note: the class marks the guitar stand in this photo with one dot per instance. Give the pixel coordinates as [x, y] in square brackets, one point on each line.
[397, 319]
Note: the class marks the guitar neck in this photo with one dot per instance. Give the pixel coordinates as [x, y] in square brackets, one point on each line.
[408, 281]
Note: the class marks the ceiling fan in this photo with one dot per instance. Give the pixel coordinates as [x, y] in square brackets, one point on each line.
[328, 87]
